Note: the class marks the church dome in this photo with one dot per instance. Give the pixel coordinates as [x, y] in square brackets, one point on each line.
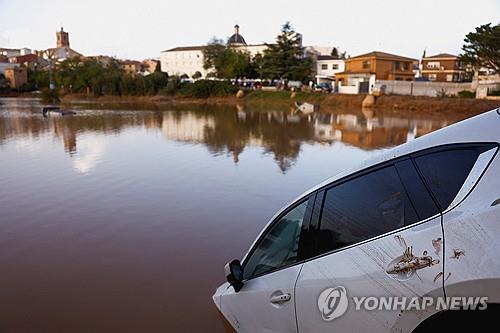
[236, 38]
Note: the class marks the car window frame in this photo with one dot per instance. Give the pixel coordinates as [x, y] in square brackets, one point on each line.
[486, 146]
[310, 198]
[318, 205]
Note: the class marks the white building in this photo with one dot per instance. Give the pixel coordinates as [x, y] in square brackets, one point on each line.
[189, 59]
[14, 52]
[326, 67]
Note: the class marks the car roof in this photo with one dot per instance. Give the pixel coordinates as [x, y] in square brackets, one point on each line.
[482, 128]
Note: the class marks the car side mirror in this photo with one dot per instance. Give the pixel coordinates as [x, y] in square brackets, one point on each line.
[234, 274]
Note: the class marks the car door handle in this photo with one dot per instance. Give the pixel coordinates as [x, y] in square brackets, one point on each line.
[280, 298]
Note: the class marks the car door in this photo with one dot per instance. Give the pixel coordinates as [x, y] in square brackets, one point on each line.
[465, 186]
[266, 302]
[377, 234]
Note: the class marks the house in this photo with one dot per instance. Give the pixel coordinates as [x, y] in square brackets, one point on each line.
[16, 77]
[443, 67]
[326, 67]
[14, 52]
[149, 66]
[102, 59]
[131, 67]
[486, 76]
[373, 66]
[189, 59]
[28, 60]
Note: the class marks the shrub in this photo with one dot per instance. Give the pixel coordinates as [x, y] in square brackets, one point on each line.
[466, 94]
[208, 88]
[173, 85]
[442, 93]
[50, 96]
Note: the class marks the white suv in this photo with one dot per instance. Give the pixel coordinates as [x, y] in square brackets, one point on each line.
[420, 222]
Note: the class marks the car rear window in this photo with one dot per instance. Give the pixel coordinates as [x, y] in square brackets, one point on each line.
[446, 171]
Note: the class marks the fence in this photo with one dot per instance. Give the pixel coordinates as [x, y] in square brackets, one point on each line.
[418, 88]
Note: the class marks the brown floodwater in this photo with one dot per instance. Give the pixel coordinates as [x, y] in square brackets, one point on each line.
[122, 220]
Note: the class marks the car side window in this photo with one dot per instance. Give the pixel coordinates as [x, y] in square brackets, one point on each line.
[420, 197]
[446, 171]
[364, 207]
[279, 247]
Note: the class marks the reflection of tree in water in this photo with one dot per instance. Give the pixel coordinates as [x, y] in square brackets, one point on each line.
[68, 128]
[271, 130]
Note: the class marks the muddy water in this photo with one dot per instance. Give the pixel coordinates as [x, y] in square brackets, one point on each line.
[121, 221]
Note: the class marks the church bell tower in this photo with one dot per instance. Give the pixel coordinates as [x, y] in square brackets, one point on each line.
[62, 38]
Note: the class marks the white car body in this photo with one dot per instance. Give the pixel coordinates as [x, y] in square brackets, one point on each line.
[455, 249]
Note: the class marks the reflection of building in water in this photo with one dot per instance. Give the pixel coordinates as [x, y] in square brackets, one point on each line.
[367, 131]
[186, 127]
[68, 135]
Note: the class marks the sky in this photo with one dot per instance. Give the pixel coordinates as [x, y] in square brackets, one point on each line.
[142, 29]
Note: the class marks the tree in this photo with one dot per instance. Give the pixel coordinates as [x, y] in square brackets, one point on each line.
[227, 62]
[285, 59]
[335, 53]
[158, 67]
[3, 82]
[197, 75]
[482, 47]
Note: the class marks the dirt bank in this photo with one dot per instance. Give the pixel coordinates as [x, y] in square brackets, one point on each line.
[283, 99]
[432, 104]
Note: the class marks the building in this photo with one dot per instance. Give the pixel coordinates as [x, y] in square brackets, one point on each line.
[131, 67]
[62, 51]
[443, 67]
[362, 71]
[189, 59]
[14, 52]
[148, 66]
[16, 77]
[486, 76]
[62, 38]
[102, 59]
[326, 67]
[29, 60]
[384, 66]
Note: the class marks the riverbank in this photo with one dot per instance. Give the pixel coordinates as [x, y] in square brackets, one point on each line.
[284, 99]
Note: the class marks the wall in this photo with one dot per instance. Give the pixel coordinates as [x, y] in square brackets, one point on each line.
[16, 77]
[431, 89]
[182, 62]
[348, 89]
[5, 65]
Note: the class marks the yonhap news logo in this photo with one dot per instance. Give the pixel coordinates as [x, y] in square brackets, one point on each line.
[334, 302]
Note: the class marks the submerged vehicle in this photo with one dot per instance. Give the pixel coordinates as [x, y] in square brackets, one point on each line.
[420, 222]
[47, 110]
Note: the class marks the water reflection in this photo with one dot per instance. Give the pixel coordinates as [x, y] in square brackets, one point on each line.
[223, 130]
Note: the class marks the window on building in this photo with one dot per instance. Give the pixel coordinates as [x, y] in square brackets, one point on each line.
[432, 77]
[324, 66]
[433, 65]
[366, 64]
[335, 66]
